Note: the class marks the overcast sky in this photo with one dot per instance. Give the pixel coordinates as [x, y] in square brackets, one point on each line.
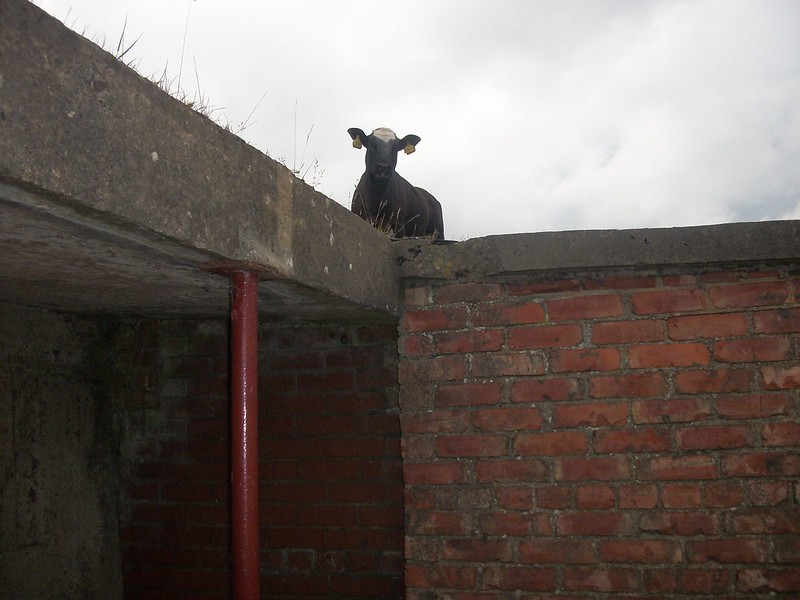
[534, 115]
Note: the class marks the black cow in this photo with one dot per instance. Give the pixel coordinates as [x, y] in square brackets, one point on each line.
[385, 199]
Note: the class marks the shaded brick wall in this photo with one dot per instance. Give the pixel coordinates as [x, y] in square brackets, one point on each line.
[331, 490]
[602, 436]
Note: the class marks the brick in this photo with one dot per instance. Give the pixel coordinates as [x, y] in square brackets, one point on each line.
[679, 523]
[627, 332]
[704, 438]
[543, 287]
[438, 523]
[695, 327]
[722, 494]
[503, 313]
[594, 579]
[507, 364]
[745, 295]
[781, 434]
[629, 385]
[611, 468]
[469, 394]
[687, 581]
[518, 578]
[327, 515]
[418, 448]
[364, 446]
[476, 550]
[751, 350]
[435, 319]
[787, 550]
[464, 497]
[585, 307]
[557, 497]
[551, 443]
[452, 577]
[677, 354]
[709, 381]
[773, 581]
[640, 551]
[600, 523]
[630, 440]
[511, 471]
[416, 397]
[620, 282]
[768, 493]
[669, 301]
[443, 368]
[727, 551]
[436, 421]
[762, 464]
[594, 497]
[468, 341]
[507, 419]
[555, 551]
[504, 524]
[780, 378]
[777, 321]
[329, 470]
[296, 360]
[679, 410]
[678, 468]
[471, 445]
[421, 548]
[544, 336]
[515, 498]
[588, 359]
[774, 521]
[753, 406]
[545, 390]
[466, 292]
[433, 473]
[638, 496]
[595, 414]
[322, 424]
[681, 495]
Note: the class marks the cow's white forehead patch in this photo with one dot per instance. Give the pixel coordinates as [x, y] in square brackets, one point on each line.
[385, 134]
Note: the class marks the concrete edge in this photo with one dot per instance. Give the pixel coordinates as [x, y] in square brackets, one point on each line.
[506, 255]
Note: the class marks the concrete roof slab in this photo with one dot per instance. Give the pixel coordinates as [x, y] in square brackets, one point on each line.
[85, 139]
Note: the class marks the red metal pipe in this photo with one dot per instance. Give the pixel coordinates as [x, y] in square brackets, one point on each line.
[244, 438]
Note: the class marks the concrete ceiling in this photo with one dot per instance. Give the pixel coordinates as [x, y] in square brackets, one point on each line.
[54, 258]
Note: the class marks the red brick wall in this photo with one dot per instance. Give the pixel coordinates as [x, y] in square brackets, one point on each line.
[602, 436]
[331, 493]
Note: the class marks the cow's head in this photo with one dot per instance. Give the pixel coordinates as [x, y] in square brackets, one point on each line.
[382, 148]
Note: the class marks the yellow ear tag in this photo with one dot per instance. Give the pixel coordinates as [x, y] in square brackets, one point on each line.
[409, 149]
[357, 143]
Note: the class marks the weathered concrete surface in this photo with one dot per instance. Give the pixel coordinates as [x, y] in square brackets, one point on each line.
[58, 479]
[140, 179]
[576, 251]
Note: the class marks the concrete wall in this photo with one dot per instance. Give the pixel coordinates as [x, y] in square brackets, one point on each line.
[602, 434]
[58, 477]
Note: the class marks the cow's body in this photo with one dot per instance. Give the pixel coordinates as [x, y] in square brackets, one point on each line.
[383, 198]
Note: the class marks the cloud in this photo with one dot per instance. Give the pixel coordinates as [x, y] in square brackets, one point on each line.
[533, 115]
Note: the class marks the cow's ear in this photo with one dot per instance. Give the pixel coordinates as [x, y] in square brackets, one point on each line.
[409, 143]
[358, 136]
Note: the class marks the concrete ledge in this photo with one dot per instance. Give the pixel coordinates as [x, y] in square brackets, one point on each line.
[574, 251]
[87, 136]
